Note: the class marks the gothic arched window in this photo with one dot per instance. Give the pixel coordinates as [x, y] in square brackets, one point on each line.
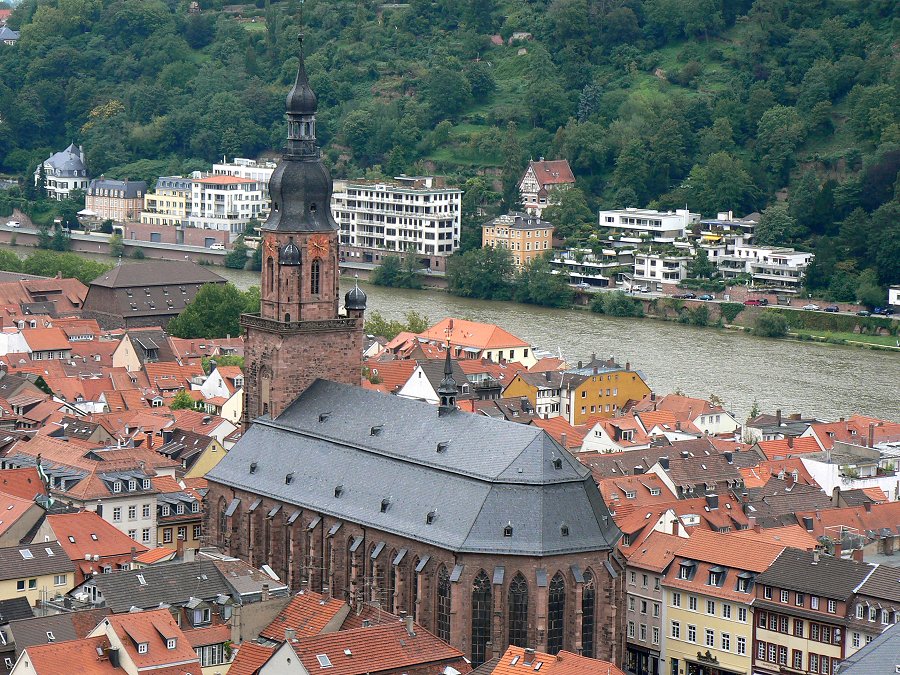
[556, 613]
[413, 593]
[391, 583]
[588, 611]
[517, 603]
[270, 274]
[481, 617]
[443, 604]
[314, 274]
[223, 519]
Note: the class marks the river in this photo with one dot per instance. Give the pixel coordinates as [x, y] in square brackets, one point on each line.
[818, 379]
[815, 379]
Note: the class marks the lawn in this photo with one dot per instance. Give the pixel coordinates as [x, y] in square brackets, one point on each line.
[883, 340]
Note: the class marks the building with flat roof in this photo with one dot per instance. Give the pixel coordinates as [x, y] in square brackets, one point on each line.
[636, 225]
[525, 237]
[260, 171]
[225, 202]
[169, 203]
[412, 214]
[767, 265]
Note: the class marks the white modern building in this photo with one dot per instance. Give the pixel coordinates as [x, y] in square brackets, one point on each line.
[64, 172]
[260, 171]
[414, 214]
[225, 203]
[634, 226]
[599, 270]
[894, 296]
[652, 270]
[767, 265]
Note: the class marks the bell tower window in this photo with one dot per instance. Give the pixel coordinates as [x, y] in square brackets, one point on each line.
[270, 275]
[314, 277]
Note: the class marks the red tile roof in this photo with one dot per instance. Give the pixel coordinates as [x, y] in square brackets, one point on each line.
[45, 339]
[393, 374]
[81, 526]
[23, 483]
[376, 648]
[155, 555]
[211, 635]
[656, 551]
[557, 426]
[308, 613]
[249, 658]
[224, 180]
[465, 333]
[793, 536]
[758, 476]
[873, 519]
[729, 550]
[789, 447]
[71, 656]
[154, 627]
[514, 662]
[856, 431]
[552, 172]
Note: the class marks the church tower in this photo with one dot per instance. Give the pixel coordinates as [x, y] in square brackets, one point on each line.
[299, 334]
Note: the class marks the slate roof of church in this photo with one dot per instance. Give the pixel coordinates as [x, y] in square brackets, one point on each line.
[491, 473]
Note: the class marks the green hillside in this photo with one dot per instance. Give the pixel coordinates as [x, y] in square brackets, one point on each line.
[789, 107]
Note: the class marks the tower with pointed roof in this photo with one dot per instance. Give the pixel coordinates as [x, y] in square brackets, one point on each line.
[300, 333]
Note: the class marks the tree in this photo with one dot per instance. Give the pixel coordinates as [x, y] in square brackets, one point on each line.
[701, 267]
[398, 273]
[802, 200]
[511, 173]
[779, 133]
[571, 215]
[776, 226]
[215, 312]
[868, 292]
[721, 182]
[770, 323]
[616, 303]
[221, 360]
[447, 91]
[236, 258]
[484, 273]
[67, 265]
[116, 246]
[377, 324]
[182, 401]
[537, 285]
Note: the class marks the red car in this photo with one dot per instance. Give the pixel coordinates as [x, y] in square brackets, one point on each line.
[762, 302]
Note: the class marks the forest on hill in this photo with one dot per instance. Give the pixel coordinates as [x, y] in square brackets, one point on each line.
[788, 107]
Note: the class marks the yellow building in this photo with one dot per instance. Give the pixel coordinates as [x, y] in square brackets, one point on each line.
[707, 592]
[526, 237]
[179, 514]
[36, 571]
[599, 389]
[169, 204]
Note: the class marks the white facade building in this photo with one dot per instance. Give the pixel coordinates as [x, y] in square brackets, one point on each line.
[225, 203]
[411, 214]
[654, 269]
[636, 225]
[600, 270]
[63, 172]
[894, 296]
[247, 168]
[767, 265]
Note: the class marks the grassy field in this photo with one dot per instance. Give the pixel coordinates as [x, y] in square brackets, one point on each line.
[827, 336]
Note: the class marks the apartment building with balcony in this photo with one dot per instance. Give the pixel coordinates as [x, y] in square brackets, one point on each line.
[728, 229]
[767, 265]
[525, 237]
[169, 203]
[260, 171]
[652, 270]
[633, 226]
[225, 202]
[412, 214]
[600, 270]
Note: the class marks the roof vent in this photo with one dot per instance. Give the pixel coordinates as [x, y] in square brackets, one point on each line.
[338, 491]
[252, 467]
[376, 430]
[564, 530]
[385, 504]
[289, 478]
[508, 530]
[429, 519]
[347, 652]
[557, 464]
[442, 447]
[324, 416]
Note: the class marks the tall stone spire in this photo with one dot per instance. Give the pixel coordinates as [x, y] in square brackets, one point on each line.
[447, 390]
[301, 185]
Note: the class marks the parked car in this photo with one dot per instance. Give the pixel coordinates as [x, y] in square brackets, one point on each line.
[864, 312]
[883, 311]
[14, 223]
[811, 307]
[832, 308]
[684, 296]
[761, 302]
[706, 296]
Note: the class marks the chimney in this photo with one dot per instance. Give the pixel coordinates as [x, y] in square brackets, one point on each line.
[685, 454]
[838, 550]
[790, 441]
[677, 426]
[712, 502]
[857, 555]
[529, 657]
[836, 496]
[179, 547]
[133, 553]
[652, 396]
[627, 366]
[808, 523]
[664, 463]
[789, 480]
[290, 634]
[595, 370]
[265, 592]
[547, 375]
[815, 560]
[580, 365]
[113, 655]
[408, 620]
[638, 469]
[778, 417]
[563, 438]
[729, 456]
[872, 435]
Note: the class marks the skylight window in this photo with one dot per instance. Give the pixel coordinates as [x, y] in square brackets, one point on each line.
[376, 430]
[564, 530]
[93, 536]
[71, 539]
[557, 464]
[324, 661]
[141, 580]
[26, 554]
[442, 447]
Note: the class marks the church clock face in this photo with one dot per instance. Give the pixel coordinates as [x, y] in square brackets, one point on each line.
[269, 247]
[318, 245]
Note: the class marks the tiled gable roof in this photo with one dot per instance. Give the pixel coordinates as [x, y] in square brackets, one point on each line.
[515, 662]
[72, 656]
[34, 560]
[308, 613]
[465, 333]
[788, 447]
[250, 658]
[552, 172]
[154, 627]
[883, 583]
[655, 552]
[874, 519]
[728, 550]
[92, 535]
[808, 572]
[24, 483]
